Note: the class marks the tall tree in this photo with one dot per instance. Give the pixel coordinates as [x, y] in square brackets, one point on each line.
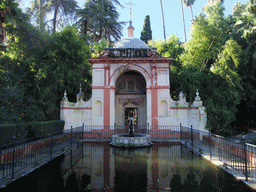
[184, 27]
[161, 5]
[17, 91]
[189, 3]
[62, 65]
[64, 7]
[146, 33]
[211, 64]
[99, 20]
[40, 8]
[244, 32]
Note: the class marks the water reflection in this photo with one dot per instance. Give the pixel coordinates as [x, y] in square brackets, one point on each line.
[73, 183]
[130, 170]
[99, 167]
[162, 167]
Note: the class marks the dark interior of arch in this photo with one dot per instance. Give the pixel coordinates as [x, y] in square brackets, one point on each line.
[131, 82]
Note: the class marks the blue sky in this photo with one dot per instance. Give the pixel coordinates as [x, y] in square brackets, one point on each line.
[172, 15]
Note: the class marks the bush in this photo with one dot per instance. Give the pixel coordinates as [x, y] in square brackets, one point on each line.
[7, 131]
[29, 130]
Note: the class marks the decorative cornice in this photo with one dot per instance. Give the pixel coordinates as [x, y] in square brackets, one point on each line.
[183, 107]
[159, 87]
[103, 87]
[131, 60]
[77, 108]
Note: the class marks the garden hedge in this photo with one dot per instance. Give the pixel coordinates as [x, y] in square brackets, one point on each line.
[29, 130]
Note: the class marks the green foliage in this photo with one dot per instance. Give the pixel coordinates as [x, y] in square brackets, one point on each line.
[16, 102]
[209, 62]
[146, 33]
[40, 8]
[17, 92]
[98, 48]
[213, 57]
[62, 65]
[171, 48]
[35, 73]
[99, 19]
[7, 8]
[8, 131]
[23, 131]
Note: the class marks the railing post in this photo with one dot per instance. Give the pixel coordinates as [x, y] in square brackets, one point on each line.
[210, 143]
[245, 161]
[13, 155]
[83, 141]
[180, 134]
[51, 146]
[71, 158]
[71, 138]
[192, 137]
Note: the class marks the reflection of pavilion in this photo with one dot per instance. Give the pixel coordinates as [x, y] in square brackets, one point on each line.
[150, 168]
[132, 76]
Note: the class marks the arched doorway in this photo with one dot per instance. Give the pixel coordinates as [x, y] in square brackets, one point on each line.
[130, 98]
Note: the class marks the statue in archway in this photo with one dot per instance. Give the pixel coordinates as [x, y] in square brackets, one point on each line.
[131, 125]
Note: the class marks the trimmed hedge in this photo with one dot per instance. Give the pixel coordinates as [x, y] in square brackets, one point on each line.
[30, 130]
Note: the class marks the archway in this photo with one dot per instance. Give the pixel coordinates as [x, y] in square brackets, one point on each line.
[130, 98]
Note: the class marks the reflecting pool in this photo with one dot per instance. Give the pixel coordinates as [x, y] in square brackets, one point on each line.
[99, 167]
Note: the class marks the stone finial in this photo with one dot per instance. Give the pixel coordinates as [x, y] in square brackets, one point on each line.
[197, 96]
[65, 96]
[80, 94]
[181, 95]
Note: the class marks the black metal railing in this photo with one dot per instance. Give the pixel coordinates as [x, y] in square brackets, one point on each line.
[236, 154]
[28, 154]
[17, 156]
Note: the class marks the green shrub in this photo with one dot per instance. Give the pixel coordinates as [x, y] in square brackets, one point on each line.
[29, 130]
[6, 133]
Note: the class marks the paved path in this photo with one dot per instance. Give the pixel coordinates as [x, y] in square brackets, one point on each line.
[250, 137]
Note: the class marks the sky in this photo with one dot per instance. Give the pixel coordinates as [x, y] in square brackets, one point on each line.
[172, 15]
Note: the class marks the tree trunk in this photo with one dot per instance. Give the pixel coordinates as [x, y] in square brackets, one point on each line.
[40, 15]
[183, 21]
[191, 12]
[163, 19]
[85, 26]
[55, 18]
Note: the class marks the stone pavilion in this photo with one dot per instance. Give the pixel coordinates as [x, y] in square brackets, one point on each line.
[132, 79]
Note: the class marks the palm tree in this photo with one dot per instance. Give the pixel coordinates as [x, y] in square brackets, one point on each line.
[163, 18]
[189, 3]
[99, 20]
[117, 2]
[40, 8]
[66, 7]
[183, 20]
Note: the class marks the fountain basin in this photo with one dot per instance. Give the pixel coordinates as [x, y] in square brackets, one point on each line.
[137, 140]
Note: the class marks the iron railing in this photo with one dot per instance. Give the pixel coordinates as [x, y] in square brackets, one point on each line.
[236, 154]
[17, 156]
[28, 154]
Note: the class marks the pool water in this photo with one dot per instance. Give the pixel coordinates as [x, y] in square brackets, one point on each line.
[99, 167]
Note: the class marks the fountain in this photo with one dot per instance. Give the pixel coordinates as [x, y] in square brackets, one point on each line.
[131, 139]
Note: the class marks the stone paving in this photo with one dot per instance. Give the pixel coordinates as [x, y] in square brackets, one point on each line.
[249, 137]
